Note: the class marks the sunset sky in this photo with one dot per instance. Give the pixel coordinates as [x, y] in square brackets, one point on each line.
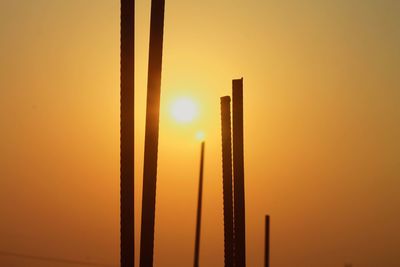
[321, 125]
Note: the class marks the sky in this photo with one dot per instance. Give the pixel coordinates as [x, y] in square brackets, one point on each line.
[321, 125]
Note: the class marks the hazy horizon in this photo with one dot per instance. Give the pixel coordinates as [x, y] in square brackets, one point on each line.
[321, 129]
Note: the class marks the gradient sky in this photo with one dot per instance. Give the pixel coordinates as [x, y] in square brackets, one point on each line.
[322, 131]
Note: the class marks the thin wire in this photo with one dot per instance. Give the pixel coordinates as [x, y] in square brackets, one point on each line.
[53, 259]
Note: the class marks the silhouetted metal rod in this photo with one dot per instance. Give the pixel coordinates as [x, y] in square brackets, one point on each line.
[238, 174]
[227, 180]
[199, 204]
[267, 241]
[151, 134]
[127, 230]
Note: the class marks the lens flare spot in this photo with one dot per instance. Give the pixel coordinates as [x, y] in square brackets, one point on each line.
[200, 135]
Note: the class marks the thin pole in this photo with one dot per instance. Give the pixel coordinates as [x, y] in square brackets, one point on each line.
[267, 241]
[227, 180]
[238, 171]
[151, 134]
[127, 57]
[199, 204]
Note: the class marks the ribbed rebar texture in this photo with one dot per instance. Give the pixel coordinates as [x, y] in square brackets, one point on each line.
[238, 174]
[127, 234]
[227, 180]
[151, 134]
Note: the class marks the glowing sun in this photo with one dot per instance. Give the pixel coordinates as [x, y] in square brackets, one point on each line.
[184, 110]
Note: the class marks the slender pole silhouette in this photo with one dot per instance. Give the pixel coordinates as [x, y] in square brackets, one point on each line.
[267, 241]
[127, 227]
[238, 174]
[199, 204]
[227, 180]
[151, 134]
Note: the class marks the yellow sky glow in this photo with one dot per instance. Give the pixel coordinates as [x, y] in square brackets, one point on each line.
[321, 128]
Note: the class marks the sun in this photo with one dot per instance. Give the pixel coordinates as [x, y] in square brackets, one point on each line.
[184, 110]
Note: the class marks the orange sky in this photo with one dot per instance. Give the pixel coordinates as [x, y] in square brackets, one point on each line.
[321, 103]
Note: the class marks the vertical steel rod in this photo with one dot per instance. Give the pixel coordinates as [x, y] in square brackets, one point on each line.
[227, 180]
[238, 174]
[199, 204]
[267, 241]
[127, 58]
[151, 134]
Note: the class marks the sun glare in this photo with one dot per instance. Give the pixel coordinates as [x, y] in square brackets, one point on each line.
[200, 136]
[184, 110]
